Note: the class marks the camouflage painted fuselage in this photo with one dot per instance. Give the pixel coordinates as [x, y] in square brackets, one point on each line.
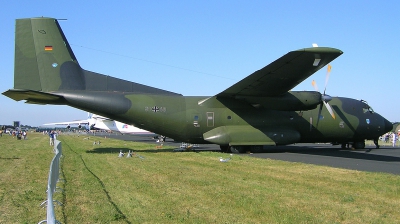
[229, 122]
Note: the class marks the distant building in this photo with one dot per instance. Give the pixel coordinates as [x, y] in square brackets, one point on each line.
[17, 124]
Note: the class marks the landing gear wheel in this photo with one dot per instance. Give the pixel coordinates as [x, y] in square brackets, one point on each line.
[256, 149]
[238, 149]
[224, 148]
[359, 145]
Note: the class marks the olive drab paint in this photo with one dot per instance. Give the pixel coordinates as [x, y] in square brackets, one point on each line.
[258, 110]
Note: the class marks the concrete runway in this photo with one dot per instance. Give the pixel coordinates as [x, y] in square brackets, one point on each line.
[386, 159]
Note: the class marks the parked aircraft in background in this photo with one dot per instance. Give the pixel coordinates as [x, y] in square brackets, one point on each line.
[95, 121]
[256, 111]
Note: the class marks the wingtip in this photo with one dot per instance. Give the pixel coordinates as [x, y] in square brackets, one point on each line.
[322, 49]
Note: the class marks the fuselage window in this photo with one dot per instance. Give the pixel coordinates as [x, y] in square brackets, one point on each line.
[229, 117]
[196, 118]
[368, 109]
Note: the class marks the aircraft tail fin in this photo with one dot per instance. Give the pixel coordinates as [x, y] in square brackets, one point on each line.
[45, 63]
[44, 60]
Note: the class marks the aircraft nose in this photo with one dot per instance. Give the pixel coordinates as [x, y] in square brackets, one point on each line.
[388, 125]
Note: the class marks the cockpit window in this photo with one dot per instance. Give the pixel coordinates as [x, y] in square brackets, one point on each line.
[367, 108]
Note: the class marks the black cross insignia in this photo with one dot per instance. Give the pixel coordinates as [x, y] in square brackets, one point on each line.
[155, 109]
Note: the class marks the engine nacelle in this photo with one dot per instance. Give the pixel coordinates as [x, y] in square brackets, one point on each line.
[290, 101]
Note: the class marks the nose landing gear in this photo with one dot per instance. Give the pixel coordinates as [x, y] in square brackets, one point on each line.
[354, 145]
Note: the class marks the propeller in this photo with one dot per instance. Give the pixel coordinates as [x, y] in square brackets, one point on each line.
[324, 97]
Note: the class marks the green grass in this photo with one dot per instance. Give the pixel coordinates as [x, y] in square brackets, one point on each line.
[189, 187]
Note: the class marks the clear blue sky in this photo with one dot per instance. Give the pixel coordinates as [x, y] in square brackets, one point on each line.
[203, 47]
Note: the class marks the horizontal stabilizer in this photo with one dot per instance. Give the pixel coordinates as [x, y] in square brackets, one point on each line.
[35, 97]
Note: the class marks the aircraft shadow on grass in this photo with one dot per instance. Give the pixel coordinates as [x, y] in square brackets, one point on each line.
[124, 150]
[334, 152]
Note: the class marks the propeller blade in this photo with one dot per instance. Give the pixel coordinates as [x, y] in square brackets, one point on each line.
[327, 76]
[314, 84]
[324, 98]
[328, 107]
[319, 114]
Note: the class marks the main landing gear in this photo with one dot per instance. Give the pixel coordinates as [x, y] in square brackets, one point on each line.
[237, 149]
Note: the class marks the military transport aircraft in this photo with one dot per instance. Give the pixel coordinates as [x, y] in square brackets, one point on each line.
[94, 122]
[258, 110]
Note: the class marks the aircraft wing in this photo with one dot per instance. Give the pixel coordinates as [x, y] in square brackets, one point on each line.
[98, 117]
[77, 122]
[283, 74]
